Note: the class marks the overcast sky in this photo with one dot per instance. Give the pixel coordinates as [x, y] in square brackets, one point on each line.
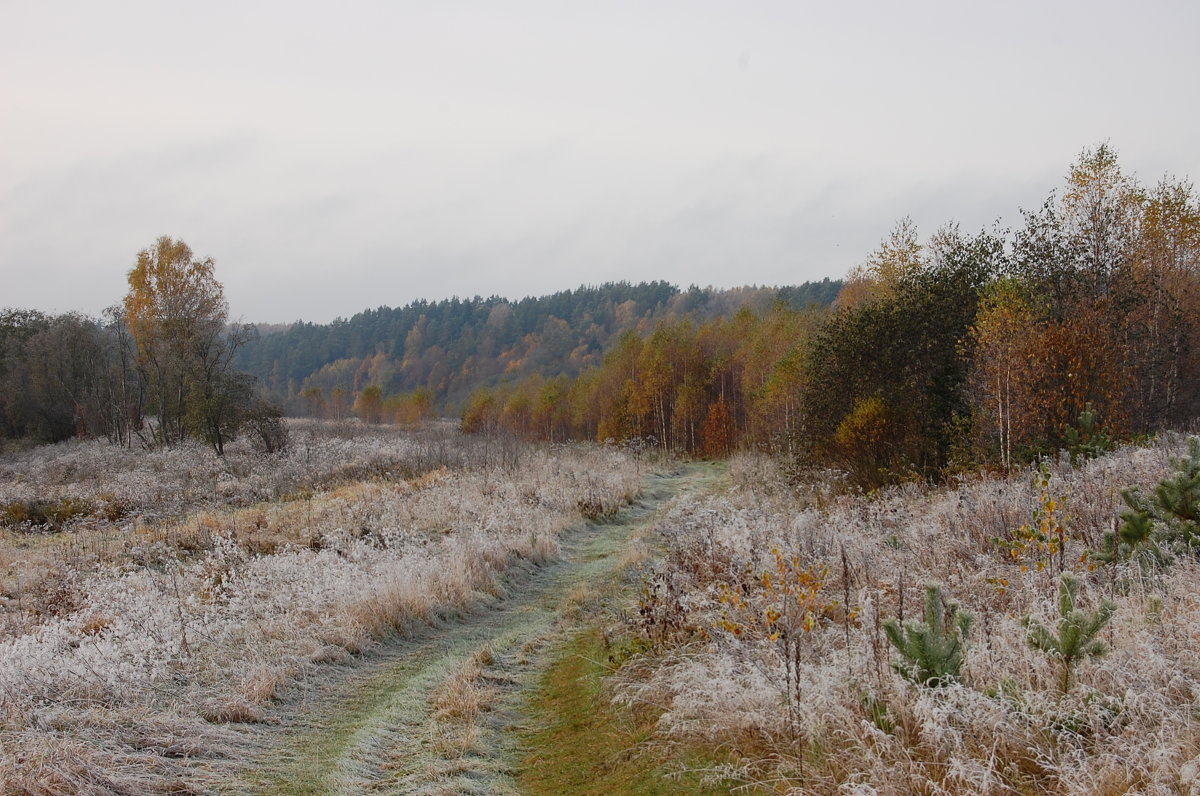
[335, 157]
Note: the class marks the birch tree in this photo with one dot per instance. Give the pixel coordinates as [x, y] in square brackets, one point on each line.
[176, 313]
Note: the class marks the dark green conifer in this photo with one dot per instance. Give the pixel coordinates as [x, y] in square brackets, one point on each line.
[1178, 500]
[1086, 440]
[1135, 536]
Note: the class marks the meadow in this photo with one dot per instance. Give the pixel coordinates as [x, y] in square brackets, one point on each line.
[762, 636]
[153, 602]
[783, 632]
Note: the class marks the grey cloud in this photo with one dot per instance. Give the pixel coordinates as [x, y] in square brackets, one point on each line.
[334, 160]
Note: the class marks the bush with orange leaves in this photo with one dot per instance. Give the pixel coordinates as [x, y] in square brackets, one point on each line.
[780, 609]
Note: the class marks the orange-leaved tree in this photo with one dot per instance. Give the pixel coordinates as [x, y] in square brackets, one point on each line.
[176, 313]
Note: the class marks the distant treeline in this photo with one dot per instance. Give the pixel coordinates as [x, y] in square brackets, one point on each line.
[156, 369]
[427, 357]
[1080, 327]
[63, 375]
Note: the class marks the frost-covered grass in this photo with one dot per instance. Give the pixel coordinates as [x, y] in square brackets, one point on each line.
[764, 627]
[131, 639]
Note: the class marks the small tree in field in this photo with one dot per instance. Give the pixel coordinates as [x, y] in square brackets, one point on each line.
[176, 313]
[933, 650]
[1178, 500]
[264, 422]
[784, 606]
[369, 404]
[1077, 630]
[1165, 523]
[1086, 439]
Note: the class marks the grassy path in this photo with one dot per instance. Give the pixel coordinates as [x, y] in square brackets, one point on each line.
[437, 714]
[581, 744]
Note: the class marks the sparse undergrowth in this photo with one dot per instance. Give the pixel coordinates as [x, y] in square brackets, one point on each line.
[790, 671]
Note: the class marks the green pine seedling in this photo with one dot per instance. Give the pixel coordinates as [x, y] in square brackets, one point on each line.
[1085, 440]
[1077, 631]
[1135, 537]
[933, 650]
[1178, 499]
[1164, 525]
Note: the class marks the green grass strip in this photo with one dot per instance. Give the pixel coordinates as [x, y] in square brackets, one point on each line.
[583, 744]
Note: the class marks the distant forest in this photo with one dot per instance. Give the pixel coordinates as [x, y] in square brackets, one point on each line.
[1075, 329]
[166, 364]
[427, 357]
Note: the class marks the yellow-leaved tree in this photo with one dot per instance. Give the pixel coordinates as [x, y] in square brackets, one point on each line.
[1004, 371]
[176, 314]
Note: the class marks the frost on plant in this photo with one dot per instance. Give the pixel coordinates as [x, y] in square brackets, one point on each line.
[932, 651]
[225, 581]
[1165, 523]
[1074, 640]
[839, 716]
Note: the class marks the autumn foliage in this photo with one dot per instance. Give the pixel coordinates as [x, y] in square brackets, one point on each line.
[960, 351]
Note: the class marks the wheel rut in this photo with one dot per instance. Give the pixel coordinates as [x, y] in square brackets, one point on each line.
[434, 713]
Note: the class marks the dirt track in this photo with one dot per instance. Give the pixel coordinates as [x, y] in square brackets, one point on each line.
[369, 726]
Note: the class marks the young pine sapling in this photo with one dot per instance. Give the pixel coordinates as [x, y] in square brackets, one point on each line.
[1177, 500]
[933, 650]
[1086, 440]
[1166, 523]
[1077, 631]
[1135, 536]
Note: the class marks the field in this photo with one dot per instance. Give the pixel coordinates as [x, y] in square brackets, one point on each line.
[421, 612]
[767, 640]
[158, 603]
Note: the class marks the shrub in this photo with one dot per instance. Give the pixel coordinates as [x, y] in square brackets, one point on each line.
[782, 607]
[50, 515]
[264, 422]
[1168, 521]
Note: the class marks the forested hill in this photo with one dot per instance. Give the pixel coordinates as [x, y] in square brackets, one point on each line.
[435, 353]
